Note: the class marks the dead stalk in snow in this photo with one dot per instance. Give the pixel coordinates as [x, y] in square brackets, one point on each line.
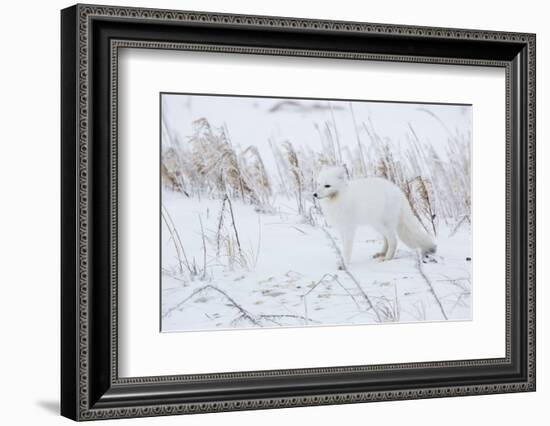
[337, 281]
[243, 311]
[359, 144]
[272, 316]
[335, 133]
[349, 274]
[430, 285]
[180, 252]
[323, 278]
[331, 278]
[389, 308]
[459, 224]
[220, 224]
[203, 250]
[233, 224]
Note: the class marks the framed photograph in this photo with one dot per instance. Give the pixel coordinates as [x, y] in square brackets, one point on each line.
[263, 212]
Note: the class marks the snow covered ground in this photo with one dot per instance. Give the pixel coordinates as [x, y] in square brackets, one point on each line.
[291, 278]
[243, 244]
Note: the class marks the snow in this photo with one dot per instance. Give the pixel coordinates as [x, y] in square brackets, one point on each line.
[251, 121]
[242, 264]
[296, 280]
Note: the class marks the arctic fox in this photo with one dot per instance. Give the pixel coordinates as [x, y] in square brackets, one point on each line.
[373, 201]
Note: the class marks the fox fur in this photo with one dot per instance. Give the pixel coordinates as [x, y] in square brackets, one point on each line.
[375, 202]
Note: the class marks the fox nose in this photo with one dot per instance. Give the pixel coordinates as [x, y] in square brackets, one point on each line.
[315, 194]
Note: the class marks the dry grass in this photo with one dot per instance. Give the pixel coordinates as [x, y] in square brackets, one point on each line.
[207, 164]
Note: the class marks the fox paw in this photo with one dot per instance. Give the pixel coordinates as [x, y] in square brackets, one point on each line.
[428, 258]
[341, 266]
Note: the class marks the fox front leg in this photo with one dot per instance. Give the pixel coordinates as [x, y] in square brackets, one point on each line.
[347, 235]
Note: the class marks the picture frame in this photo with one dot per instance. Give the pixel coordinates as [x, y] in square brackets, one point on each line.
[91, 37]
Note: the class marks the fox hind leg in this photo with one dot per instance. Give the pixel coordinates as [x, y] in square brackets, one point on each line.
[392, 245]
[382, 253]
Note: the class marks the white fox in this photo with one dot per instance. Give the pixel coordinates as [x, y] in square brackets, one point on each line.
[374, 201]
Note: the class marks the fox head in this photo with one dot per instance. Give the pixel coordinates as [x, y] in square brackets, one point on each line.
[330, 181]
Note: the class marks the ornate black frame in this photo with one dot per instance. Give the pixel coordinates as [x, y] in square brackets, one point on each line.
[91, 37]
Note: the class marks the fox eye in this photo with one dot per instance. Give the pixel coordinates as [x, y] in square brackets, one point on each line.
[327, 186]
